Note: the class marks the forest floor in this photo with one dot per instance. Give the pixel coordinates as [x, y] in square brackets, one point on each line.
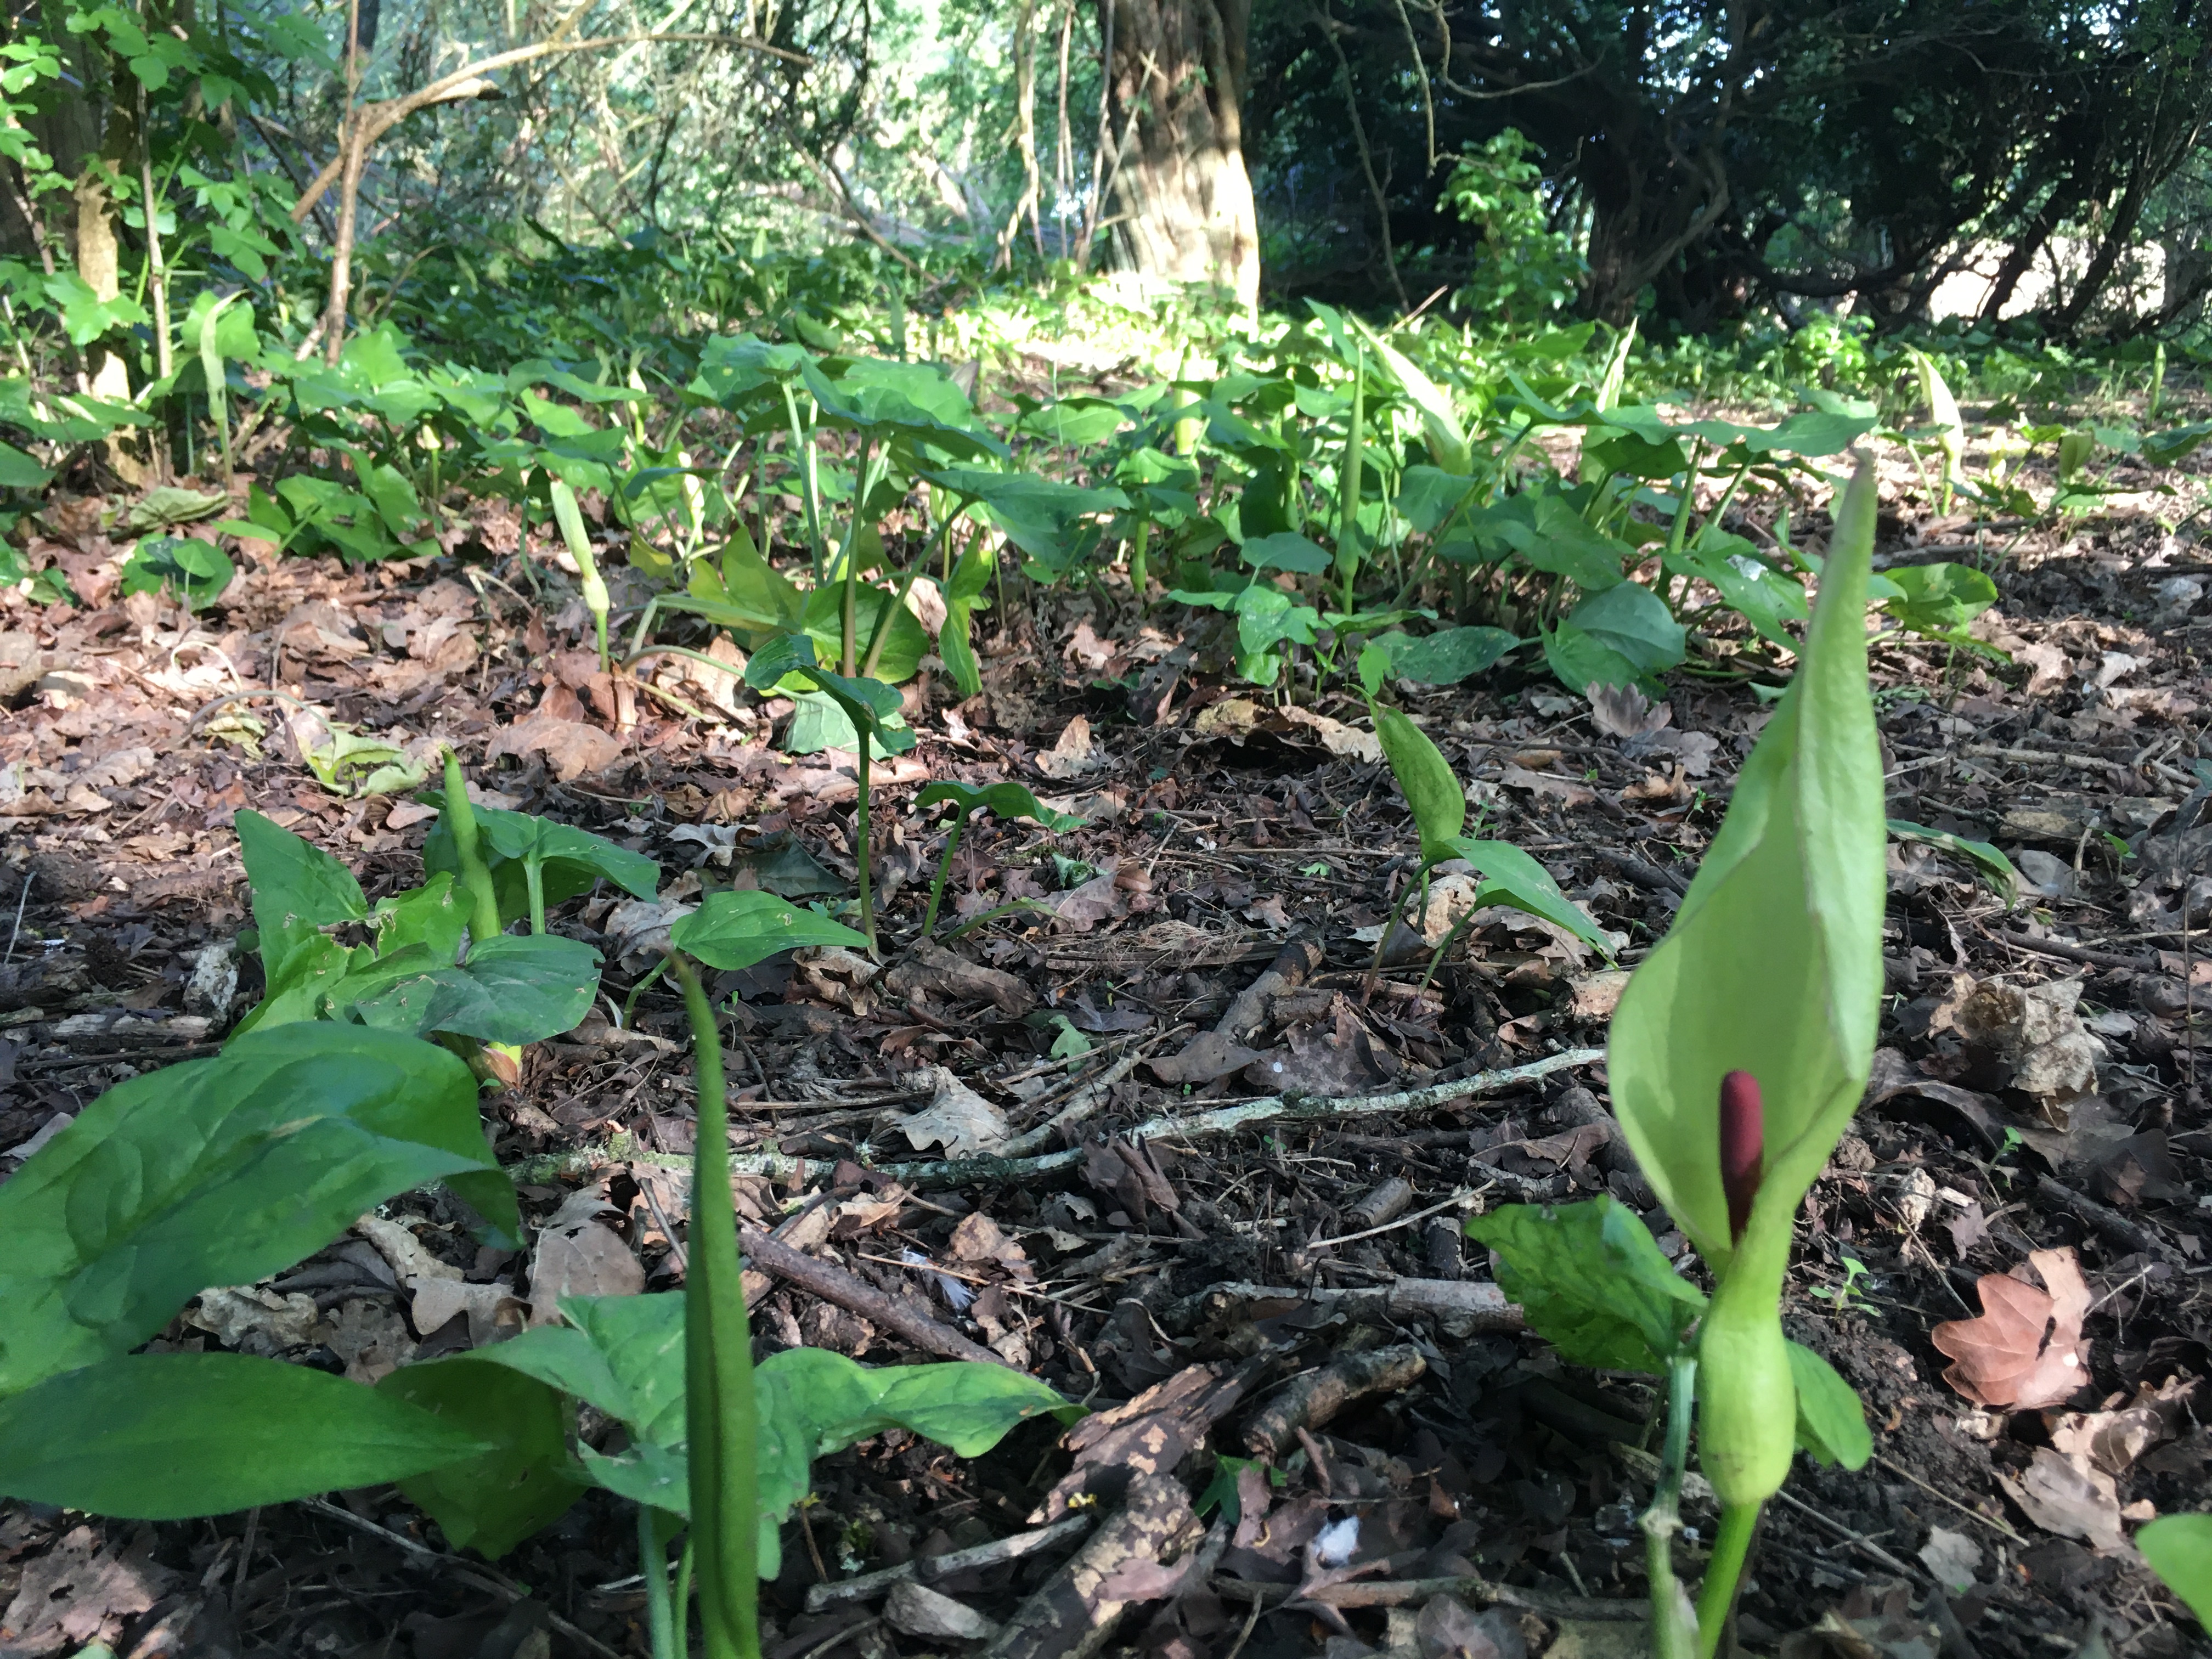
[1294, 1290]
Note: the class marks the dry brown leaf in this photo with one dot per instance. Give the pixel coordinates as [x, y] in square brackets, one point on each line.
[2027, 1350]
[957, 1119]
[2063, 1495]
[571, 746]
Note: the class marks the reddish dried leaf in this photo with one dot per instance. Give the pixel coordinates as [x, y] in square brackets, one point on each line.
[2025, 1350]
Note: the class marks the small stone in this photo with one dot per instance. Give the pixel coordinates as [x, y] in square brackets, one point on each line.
[213, 981]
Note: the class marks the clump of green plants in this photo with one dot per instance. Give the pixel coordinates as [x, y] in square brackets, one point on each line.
[224, 1171]
[1738, 1054]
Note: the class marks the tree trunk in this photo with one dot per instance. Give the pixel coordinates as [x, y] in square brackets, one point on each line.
[1183, 200]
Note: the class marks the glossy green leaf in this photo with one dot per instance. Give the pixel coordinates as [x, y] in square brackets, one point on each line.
[1440, 424]
[169, 1436]
[297, 889]
[1773, 965]
[626, 1358]
[1631, 619]
[1431, 789]
[732, 931]
[1592, 1282]
[1285, 550]
[1832, 1422]
[571, 861]
[2180, 1550]
[822, 617]
[964, 597]
[189, 569]
[1008, 800]
[1582, 662]
[1510, 877]
[1448, 656]
[512, 988]
[1989, 861]
[522, 1483]
[1940, 598]
[219, 1171]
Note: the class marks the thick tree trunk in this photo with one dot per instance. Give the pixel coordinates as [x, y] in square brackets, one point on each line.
[1182, 198]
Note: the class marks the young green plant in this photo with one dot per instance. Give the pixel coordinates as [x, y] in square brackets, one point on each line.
[1008, 800]
[870, 705]
[1438, 803]
[570, 518]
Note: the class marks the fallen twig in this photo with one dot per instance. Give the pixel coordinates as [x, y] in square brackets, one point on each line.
[622, 1149]
[833, 1284]
[1401, 1592]
[926, 1568]
[1484, 1305]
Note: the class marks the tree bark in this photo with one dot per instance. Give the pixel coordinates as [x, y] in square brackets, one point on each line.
[1181, 197]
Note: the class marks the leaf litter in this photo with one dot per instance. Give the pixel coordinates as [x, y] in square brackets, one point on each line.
[2038, 1112]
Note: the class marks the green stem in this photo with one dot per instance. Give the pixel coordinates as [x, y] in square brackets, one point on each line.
[848, 658]
[944, 869]
[718, 1367]
[476, 878]
[684, 1603]
[1673, 1623]
[860, 843]
[630, 1002]
[653, 1563]
[533, 877]
[1389, 928]
[1140, 570]
[1724, 1574]
[884, 618]
[802, 446]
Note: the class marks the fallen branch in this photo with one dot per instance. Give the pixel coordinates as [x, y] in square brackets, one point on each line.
[1482, 1305]
[1404, 1592]
[927, 1568]
[1222, 1120]
[833, 1284]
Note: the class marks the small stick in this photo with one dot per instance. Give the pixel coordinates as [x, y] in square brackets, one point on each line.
[834, 1284]
[28, 875]
[1858, 1540]
[926, 1567]
[1995, 1526]
[955, 1171]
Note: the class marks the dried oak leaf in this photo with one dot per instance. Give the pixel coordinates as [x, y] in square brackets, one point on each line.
[573, 747]
[2027, 1350]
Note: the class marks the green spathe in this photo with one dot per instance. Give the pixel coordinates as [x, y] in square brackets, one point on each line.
[1774, 967]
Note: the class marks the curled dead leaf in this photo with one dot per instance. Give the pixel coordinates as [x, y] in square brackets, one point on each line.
[2025, 1350]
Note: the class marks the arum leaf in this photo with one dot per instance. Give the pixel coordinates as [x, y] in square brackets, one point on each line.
[1008, 800]
[220, 1170]
[520, 1484]
[165, 1436]
[732, 931]
[1510, 877]
[1426, 780]
[1592, 1283]
[1774, 964]
[2179, 1551]
[1831, 1422]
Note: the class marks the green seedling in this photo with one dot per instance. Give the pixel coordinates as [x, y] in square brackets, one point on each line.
[1990, 863]
[570, 518]
[1008, 800]
[1739, 1052]
[1846, 1296]
[1508, 876]
[869, 705]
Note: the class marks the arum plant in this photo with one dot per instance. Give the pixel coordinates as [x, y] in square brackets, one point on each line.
[1741, 1047]
[571, 520]
[718, 1375]
[1508, 876]
[1008, 800]
[869, 705]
